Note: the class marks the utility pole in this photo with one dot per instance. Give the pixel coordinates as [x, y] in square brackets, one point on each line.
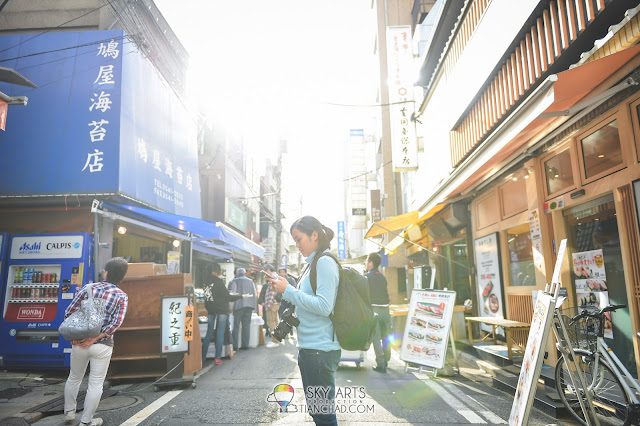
[281, 148]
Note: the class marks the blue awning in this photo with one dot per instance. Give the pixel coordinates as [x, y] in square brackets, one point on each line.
[201, 230]
[223, 252]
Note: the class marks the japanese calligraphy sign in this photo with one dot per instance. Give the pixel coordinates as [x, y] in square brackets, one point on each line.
[103, 120]
[174, 310]
[189, 314]
[403, 131]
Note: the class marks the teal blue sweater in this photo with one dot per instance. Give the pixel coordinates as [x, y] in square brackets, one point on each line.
[316, 330]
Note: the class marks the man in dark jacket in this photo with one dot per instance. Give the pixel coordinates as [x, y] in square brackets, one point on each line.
[217, 299]
[380, 303]
[243, 308]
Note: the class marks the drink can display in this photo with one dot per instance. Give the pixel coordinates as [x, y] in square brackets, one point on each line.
[54, 278]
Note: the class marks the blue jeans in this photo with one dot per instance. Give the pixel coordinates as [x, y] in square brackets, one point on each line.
[318, 371]
[221, 327]
[381, 336]
[241, 316]
[208, 336]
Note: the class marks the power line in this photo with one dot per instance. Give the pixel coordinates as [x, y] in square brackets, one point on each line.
[62, 49]
[64, 23]
[367, 172]
[369, 105]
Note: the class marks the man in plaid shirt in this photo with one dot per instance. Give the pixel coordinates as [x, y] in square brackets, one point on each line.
[97, 349]
[271, 304]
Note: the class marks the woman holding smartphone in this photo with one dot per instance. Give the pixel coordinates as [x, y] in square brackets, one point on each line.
[319, 350]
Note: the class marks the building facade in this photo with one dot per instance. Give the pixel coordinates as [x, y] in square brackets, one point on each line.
[529, 116]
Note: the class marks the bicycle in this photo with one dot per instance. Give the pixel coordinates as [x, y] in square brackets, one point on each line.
[614, 393]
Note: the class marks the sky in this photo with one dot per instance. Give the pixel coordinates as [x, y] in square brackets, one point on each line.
[274, 70]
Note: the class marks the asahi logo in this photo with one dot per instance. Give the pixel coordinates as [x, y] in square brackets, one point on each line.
[31, 313]
[30, 248]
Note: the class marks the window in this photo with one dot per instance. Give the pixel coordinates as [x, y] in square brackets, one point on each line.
[521, 268]
[601, 150]
[558, 172]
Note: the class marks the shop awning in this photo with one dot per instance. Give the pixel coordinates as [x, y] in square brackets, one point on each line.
[196, 230]
[391, 224]
[548, 107]
[223, 252]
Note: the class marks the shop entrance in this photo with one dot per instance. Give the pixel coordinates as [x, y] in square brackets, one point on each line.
[598, 273]
[453, 269]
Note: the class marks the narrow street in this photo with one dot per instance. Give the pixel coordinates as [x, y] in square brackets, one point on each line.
[237, 391]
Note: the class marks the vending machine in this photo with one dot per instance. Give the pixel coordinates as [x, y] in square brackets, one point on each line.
[4, 242]
[43, 273]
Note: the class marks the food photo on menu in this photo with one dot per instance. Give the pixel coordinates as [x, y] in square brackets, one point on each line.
[435, 326]
[429, 309]
[416, 336]
[418, 322]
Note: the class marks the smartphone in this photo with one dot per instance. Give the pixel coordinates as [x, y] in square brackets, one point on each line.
[273, 277]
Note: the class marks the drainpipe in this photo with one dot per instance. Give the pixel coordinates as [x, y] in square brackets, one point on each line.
[96, 246]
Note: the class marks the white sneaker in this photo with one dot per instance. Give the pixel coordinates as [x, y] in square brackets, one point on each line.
[271, 345]
[96, 421]
[70, 416]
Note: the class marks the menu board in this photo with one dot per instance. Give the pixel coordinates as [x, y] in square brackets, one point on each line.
[427, 330]
[532, 360]
[592, 292]
[489, 282]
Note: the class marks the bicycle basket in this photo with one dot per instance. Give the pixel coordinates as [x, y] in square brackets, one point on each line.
[583, 334]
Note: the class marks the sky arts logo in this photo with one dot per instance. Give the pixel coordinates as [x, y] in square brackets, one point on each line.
[347, 400]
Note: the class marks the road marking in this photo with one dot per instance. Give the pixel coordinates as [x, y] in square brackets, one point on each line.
[479, 407]
[454, 402]
[141, 415]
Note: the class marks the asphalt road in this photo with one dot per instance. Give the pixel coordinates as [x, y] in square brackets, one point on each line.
[237, 392]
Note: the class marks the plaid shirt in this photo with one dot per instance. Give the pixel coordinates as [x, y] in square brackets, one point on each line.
[115, 308]
[270, 297]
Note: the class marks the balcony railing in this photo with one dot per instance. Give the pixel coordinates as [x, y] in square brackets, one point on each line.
[557, 26]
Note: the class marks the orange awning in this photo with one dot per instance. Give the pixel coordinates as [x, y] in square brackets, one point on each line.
[392, 224]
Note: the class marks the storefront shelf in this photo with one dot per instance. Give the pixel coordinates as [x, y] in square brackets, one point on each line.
[137, 376]
[136, 357]
[41, 285]
[33, 301]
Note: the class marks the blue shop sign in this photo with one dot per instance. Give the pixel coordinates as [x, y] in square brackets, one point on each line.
[102, 120]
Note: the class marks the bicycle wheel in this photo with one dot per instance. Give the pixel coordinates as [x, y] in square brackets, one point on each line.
[609, 399]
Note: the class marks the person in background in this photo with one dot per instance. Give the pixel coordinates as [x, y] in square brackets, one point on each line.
[217, 299]
[265, 327]
[243, 308]
[319, 350]
[285, 304]
[271, 305]
[95, 350]
[380, 304]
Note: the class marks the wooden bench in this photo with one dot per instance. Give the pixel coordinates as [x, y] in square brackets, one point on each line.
[507, 325]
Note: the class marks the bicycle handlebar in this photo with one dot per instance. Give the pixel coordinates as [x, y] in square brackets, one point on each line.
[585, 313]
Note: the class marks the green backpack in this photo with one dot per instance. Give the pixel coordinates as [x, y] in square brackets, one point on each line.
[353, 317]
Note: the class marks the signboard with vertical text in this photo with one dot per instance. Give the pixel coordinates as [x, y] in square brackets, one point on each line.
[342, 252]
[173, 324]
[403, 131]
